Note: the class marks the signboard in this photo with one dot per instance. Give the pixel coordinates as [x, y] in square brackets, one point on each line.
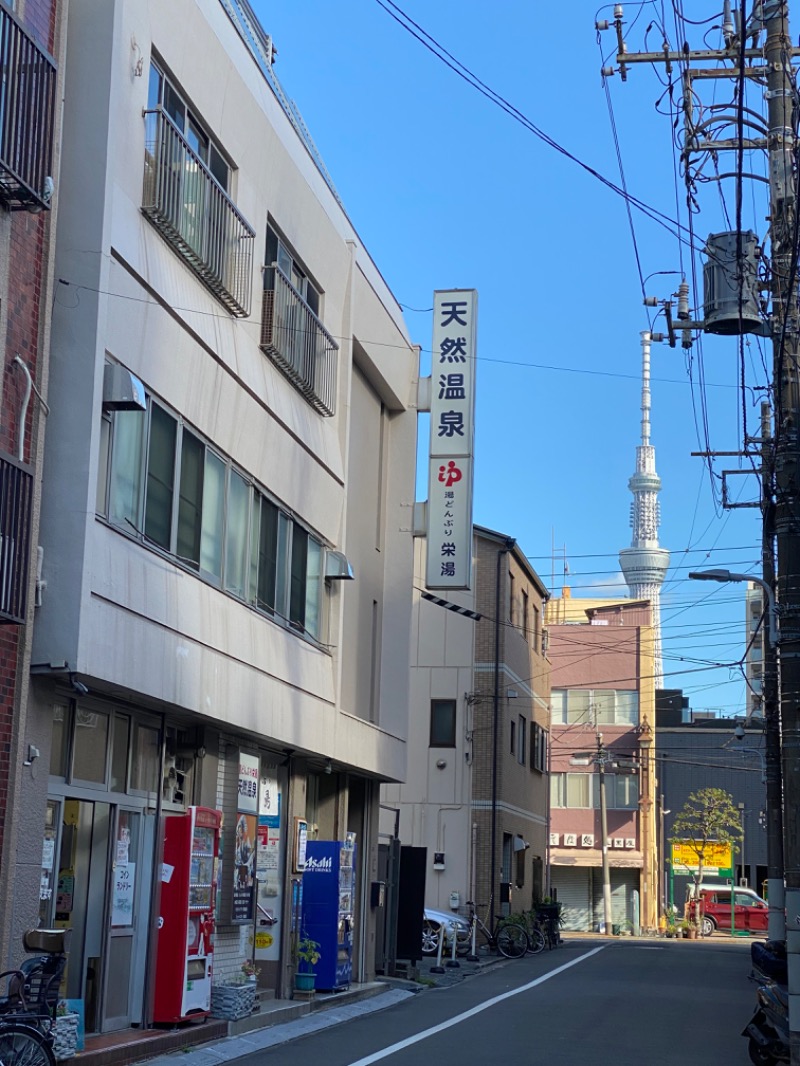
[243, 868]
[247, 799]
[449, 533]
[716, 856]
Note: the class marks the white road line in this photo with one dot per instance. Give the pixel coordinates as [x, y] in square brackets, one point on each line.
[386, 1052]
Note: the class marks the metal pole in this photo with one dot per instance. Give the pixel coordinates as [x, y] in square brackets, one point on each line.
[601, 771]
[771, 697]
[783, 215]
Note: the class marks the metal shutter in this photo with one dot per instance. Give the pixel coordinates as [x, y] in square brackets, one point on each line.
[573, 888]
[623, 883]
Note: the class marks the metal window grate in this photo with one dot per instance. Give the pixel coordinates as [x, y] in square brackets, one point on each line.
[294, 338]
[192, 211]
[16, 505]
[27, 109]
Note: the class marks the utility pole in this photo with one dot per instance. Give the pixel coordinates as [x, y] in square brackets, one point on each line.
[783, 212]
[771, 696]
[600, 758]
[745, 60]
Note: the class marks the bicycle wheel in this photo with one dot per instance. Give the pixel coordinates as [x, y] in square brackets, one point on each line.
[21, 1045]
[512, 941]
[536, 940]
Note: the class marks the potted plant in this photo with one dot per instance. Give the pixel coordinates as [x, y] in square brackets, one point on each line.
[308, 955]
[250, 970]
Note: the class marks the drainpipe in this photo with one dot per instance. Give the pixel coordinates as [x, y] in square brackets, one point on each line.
[501, 554]
[23, 411]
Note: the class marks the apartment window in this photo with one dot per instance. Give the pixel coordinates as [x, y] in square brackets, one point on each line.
[595, 706]
[292, 334]
[186, 195]
[521, 739]
[512, 599]
[524, 619]
[583, 790]
[443, 723]
[513, 737]
[536, 629]
[538, 758]
[167, 484]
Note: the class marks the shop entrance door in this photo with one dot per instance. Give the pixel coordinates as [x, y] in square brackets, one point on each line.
[105, 869]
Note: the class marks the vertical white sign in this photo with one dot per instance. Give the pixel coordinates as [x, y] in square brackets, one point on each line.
[450, 476]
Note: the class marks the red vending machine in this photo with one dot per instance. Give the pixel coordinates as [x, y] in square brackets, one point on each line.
[185, 956]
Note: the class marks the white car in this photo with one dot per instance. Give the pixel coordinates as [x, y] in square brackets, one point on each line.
[431, 924]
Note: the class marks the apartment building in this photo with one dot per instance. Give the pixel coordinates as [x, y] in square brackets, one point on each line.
[31, 40]
[476, 793]
[226, 586]
[603, 710]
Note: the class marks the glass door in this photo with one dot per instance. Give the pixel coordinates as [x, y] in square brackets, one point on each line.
[125, 860]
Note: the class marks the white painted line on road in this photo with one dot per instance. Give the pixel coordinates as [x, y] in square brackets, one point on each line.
[386, 1052]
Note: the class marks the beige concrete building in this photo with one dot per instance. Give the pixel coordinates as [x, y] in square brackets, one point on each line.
[229, 441]
[476, 792]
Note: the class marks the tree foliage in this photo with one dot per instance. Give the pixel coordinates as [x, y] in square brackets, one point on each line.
[708, 817]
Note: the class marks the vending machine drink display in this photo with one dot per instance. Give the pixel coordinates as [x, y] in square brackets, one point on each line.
[328, 900]
[186, 924]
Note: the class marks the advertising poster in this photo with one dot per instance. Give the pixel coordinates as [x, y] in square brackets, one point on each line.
[269, 901]
[244, 858]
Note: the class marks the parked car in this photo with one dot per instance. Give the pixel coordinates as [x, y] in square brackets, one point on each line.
[751, 912]
[431, 923]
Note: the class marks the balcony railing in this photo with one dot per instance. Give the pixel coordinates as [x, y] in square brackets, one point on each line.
[16, 506]
[294, 338]
[186, 203]
[27, 109]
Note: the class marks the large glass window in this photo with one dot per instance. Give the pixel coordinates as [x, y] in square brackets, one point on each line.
[579, 706]
[583, 790]
[209, 516]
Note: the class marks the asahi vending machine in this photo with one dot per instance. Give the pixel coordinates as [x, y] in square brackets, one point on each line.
[328, 902]
[185, 956]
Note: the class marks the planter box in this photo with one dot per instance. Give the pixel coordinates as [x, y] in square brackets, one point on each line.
[65, 1036]
[232, 1002]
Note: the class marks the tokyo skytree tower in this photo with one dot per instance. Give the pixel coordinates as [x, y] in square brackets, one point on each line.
[645, 564]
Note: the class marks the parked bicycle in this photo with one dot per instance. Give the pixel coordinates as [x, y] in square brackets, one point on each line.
[508, 936]
[28, 1010]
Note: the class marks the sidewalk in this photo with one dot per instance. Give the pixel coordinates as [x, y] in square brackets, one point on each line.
[281, 1021]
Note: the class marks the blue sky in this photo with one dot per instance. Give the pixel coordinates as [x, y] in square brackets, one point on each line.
[447, 190]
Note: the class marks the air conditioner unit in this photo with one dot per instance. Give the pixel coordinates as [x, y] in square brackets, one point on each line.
[570, 840]
[587, 840]
[630, 842]
[554, 839]
[619, 842]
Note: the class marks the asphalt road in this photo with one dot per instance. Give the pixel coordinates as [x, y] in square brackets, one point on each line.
[625, 1002]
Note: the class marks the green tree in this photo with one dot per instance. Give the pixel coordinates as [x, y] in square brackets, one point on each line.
[708, 817]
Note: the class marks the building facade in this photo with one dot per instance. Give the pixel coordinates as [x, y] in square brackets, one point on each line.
[230, 441]
[32, 42]
[603, 709]
[476, 792]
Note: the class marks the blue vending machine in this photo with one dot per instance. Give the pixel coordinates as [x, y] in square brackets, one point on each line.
[328, 897]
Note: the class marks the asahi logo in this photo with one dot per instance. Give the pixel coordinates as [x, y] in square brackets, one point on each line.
[323, 866]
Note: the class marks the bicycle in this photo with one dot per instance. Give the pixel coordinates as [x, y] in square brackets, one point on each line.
[28, 1010]
[508, 936]
[21, 1044]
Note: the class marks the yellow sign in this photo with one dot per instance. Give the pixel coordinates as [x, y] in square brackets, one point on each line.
[715, 855]
[264, 940]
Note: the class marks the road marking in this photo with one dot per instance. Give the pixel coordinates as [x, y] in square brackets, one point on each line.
[386, 1052]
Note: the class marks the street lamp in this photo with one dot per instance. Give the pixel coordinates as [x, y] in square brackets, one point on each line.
[726, 575]
[772, 748]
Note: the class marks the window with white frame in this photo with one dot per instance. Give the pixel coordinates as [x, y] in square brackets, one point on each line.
[583, 790]
[166, 484]
[581, 706]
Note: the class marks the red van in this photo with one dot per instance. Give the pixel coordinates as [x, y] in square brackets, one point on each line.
[751, 912]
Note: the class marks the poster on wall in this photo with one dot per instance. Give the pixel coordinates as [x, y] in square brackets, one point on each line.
[247, 799]
[300, 841]
[244, 858]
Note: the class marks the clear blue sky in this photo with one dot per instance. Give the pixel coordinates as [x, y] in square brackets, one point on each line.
[447, 190]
